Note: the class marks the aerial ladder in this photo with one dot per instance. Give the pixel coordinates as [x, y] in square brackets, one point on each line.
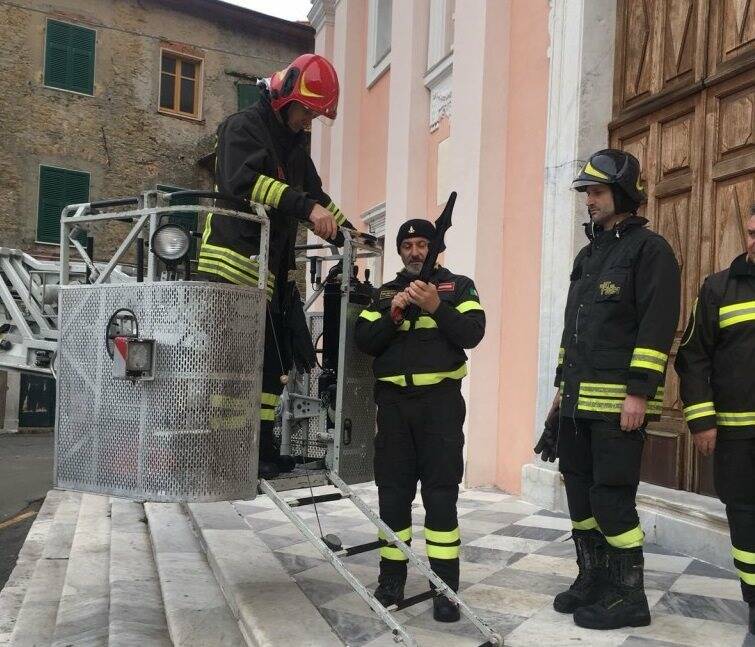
[159, 375]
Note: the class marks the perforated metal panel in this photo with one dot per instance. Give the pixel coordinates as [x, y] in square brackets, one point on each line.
[191, 434]
[355, 449]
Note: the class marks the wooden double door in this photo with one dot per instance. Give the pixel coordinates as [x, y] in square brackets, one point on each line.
[684, 105]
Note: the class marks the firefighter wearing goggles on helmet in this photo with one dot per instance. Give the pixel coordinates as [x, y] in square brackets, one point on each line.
[419, 365]
[621, 314]
[261, 156]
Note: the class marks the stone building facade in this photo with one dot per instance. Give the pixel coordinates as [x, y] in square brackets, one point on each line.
[113, 127]
[108, 98]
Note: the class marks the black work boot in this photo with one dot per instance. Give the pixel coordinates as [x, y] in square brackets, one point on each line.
[390, 588]
[267, 470]
[591, 559]
[444, 610]
[623, 602]
[268, 453]
[285, 463]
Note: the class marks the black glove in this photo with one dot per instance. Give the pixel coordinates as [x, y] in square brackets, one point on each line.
[546, 446]
[340, 239]
[298, 337]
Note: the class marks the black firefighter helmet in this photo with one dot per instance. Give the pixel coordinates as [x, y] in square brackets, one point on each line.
[619, 170]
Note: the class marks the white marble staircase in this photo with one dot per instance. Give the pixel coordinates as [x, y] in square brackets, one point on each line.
[97, 571]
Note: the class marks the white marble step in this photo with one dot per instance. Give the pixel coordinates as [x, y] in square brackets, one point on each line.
[137, 617]
[196, 611]
[13, 593]
[259, 592]
[35, 624]
[82, 618]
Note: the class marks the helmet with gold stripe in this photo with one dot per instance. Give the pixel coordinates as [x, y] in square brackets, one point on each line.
[619, 170]
[310, 80]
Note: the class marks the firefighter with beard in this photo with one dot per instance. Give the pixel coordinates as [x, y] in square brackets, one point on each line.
[621, 315]
[716, 367]
[261, 156]
[418, 368]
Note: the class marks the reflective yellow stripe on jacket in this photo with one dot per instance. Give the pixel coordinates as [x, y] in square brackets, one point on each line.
[735, 419]
[427, 379]
[736, 313]
[267, 191]
[608, 398]
[700, 410]
[649, 359]
[337, 213]
[229, 264]
[423, 321]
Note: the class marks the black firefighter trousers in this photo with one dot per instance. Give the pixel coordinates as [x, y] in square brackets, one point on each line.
[420, 437]
[734, 478]
[272, 369]
[272, 387]
[601, 468]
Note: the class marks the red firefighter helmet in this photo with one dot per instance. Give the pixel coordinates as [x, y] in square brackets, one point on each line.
[311, 80]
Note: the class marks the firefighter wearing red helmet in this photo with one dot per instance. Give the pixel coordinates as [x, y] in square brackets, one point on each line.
[310, 80]
[261, 156]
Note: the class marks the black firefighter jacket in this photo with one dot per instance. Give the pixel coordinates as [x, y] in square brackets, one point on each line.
[259, 159]
[431, 351]
[716, 360]
[621, 315]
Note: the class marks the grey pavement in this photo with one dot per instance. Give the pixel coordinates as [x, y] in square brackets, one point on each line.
[25, 470]
[25, 478]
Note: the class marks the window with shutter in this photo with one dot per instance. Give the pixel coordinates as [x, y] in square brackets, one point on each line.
[69, 57]
[58, 188]
[248, 94]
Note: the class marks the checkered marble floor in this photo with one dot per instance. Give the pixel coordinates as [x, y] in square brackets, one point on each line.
[515, 558]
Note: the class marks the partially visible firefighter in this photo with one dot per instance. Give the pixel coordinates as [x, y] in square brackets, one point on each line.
[621, 315]
[716, 366]
[419, 365]
[261, 156]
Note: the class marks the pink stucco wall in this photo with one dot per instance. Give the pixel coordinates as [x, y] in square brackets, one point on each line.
[373, 144]
[381, 150]
[525, 154]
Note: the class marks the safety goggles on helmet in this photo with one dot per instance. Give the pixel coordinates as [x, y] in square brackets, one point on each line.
[619, 170]
[601, 169]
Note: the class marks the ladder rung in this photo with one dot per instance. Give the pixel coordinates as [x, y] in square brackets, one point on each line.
[309, 500]
[362, 548]
[415, 599]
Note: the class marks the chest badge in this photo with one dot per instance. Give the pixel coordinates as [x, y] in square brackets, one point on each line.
[448, 286]
[609, 288]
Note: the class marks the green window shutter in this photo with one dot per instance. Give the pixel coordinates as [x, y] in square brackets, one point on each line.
[187, 219]
[69, 57]
[248, 93]
[58, 188]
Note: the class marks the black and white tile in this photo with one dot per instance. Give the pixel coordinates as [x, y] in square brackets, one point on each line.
[515, 558]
